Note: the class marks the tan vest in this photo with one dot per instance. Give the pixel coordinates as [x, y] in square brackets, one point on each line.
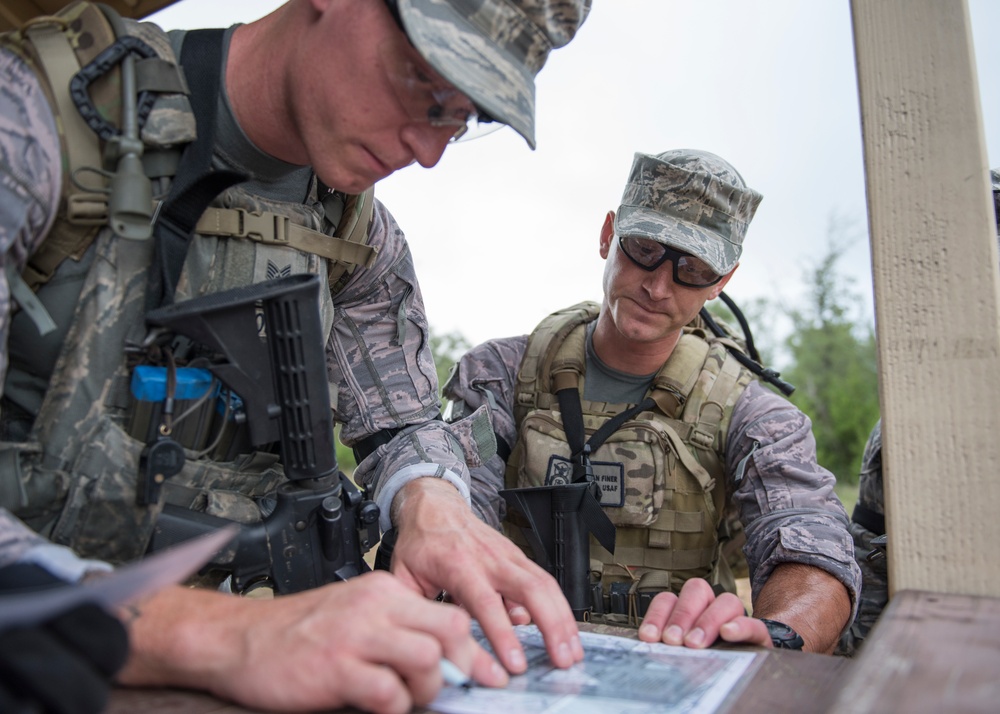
[75, 479]
[661, 473]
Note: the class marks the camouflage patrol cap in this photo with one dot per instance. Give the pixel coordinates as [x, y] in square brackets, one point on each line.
[492, 49]
[693, 201]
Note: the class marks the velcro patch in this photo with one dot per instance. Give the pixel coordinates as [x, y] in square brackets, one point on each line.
[610, 475]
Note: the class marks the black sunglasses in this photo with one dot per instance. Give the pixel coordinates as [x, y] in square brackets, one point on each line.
[649, 255]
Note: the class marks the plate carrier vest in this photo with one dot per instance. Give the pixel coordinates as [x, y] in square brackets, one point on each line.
[74, 478]
[670, 525]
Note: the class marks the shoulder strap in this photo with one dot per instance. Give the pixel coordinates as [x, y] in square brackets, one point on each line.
[544, 355]
[709, 407]
[195, 184]
[277, 229]
[679, 374]
[60, 58]
[352, 238]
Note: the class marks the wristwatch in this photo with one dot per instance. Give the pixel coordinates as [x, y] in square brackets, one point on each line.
[783, 637]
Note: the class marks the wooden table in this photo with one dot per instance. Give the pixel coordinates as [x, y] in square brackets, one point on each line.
[927, 653]
[785, 683]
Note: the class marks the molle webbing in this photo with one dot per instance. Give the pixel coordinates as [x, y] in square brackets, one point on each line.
[676, 379]
[59, 46]
[695, 392]
[538, 358]
[352, 230]
[275, 229]
[711, 406]
[60, 55]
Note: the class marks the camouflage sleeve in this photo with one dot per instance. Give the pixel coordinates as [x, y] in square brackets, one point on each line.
[874, 572]
[870, 493]
[379, 349]
[785, 498]
[30, 175]
[15, 538]
[486, 376]
[386, 379]
[20, 544]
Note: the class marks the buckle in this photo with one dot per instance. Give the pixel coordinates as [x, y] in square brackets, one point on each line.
[87, 209]
[266, 227]
[702, 439]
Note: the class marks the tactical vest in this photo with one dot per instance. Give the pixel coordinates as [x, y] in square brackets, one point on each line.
[74, 478]
[661, 474]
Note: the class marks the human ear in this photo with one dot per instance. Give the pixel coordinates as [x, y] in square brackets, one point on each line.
[718, 287]
[607, 234]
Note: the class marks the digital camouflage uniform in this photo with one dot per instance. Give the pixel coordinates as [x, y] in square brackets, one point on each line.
[783, 497]
[29, 187]
[379, 360]
[874, 575]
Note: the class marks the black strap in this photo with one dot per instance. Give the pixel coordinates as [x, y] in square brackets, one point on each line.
[195, 184]
[869, 519]
[744, 325]
[615, 423]
[765, 373]
[503, 448]
[367, 446]
[572, 416]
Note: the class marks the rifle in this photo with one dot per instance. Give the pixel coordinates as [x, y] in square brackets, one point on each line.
[321, 524]
[558, 521]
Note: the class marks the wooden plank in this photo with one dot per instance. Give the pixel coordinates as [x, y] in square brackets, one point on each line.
[169, 701]
[929, 652]
[937, 292]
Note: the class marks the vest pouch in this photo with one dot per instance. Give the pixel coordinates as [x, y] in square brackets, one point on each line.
[631, 466]
[33, 495]
[194, 395]
[101, 518]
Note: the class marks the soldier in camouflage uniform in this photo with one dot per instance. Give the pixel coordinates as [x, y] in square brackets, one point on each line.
[674, 243]
[868, 519]
[867, 523]
[400, 80]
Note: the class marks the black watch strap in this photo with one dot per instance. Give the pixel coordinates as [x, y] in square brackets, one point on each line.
[783, 637]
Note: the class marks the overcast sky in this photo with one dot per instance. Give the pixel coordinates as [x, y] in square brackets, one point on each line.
[502, 236]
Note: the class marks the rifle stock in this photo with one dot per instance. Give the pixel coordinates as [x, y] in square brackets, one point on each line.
[321, 524]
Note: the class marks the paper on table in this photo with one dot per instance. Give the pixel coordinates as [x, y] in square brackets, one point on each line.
[123, 585]
[618, 674]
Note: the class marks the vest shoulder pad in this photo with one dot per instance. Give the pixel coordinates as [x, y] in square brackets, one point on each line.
[544, 344]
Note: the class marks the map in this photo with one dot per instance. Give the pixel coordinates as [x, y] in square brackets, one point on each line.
[617, 676]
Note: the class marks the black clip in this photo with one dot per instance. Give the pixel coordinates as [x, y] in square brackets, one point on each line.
[157, 462]
[79, 85]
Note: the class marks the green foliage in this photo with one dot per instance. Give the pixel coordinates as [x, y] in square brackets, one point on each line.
[447, 349]
[834, 364]
[755, 312]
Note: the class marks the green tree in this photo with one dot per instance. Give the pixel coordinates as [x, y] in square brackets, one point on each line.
[755, 312]
[447, 350]
[834, 363]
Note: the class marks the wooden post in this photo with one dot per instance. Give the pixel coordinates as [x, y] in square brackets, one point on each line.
[937, 284]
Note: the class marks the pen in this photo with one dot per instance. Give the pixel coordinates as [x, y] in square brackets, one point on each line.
[453, 675]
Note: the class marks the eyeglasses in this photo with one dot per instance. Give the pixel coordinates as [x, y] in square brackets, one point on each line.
[649, 255]
[426, 96]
